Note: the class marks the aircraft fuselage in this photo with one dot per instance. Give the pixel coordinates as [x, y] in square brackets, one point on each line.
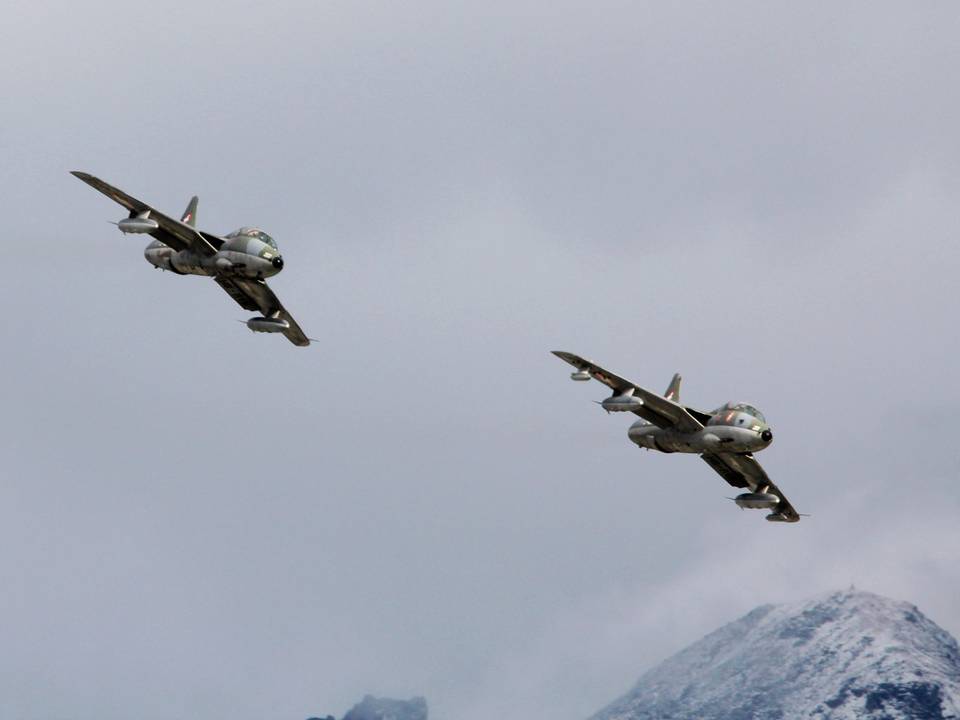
[734, 428]
[712, 438]
[240, 255]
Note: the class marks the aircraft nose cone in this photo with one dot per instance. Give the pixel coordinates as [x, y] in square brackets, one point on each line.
[278, 262]
[766, 435]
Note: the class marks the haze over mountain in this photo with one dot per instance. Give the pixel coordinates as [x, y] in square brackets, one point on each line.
[199, 522]
[849, 655]
[374, 708]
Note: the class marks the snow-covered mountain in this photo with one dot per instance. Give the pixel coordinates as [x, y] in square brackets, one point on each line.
[373, 708]
[848, 655]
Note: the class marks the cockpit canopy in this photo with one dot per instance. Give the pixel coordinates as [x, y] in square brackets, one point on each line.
[741, 407]
[255, 233]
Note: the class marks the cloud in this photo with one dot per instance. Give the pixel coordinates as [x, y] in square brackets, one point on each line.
[200, 520]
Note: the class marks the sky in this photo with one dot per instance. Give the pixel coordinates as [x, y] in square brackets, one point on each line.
[201, 522]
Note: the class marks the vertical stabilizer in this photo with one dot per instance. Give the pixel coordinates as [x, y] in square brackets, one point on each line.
[190, 214]
[673, 389]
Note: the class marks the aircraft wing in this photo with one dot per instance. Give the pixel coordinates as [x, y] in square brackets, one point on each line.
[174, 233]
[255, 295]
[657, 409]
[743, 471]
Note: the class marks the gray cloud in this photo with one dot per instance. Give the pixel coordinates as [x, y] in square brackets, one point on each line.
[200, 521]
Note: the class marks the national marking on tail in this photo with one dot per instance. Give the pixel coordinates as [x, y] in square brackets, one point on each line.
[673, 389]
[190, 214]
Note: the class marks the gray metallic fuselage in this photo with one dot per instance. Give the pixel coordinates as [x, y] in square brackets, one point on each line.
[240, 255]
[727, 431]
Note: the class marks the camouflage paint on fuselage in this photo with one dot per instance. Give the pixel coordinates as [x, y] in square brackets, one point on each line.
[735, 427]
[248, 252]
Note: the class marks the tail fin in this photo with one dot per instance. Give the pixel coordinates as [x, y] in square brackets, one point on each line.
[673, 389]
[190, 214]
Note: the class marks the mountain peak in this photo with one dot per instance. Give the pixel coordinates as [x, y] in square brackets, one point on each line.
[849, 654]
[372, 708]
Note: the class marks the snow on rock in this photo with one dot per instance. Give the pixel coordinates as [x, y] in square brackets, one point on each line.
[371, 708]
[848, 655]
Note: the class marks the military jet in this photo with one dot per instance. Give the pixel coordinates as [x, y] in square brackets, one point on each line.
[238, 262]
[725, 438]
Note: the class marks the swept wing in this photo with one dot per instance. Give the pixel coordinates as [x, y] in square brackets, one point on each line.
[178, 235]
[255, 295]
[743, 471]
[656, 409]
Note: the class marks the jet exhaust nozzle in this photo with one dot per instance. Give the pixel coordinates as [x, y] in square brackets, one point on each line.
[268, 325]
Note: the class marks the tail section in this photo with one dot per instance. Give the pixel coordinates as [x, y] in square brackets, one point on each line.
[673, 389]
[190, 214]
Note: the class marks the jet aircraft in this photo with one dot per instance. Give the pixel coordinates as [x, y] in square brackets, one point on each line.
[725, 438]
[238, 262]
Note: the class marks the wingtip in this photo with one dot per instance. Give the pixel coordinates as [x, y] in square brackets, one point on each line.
[300, 341]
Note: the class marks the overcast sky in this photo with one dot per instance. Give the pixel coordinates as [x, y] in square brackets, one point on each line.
[201, 522]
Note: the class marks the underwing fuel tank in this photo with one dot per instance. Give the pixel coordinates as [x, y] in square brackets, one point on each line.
[624, 402]
[268, 325]
[757, 501]
[580, 375]
[141, 223]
